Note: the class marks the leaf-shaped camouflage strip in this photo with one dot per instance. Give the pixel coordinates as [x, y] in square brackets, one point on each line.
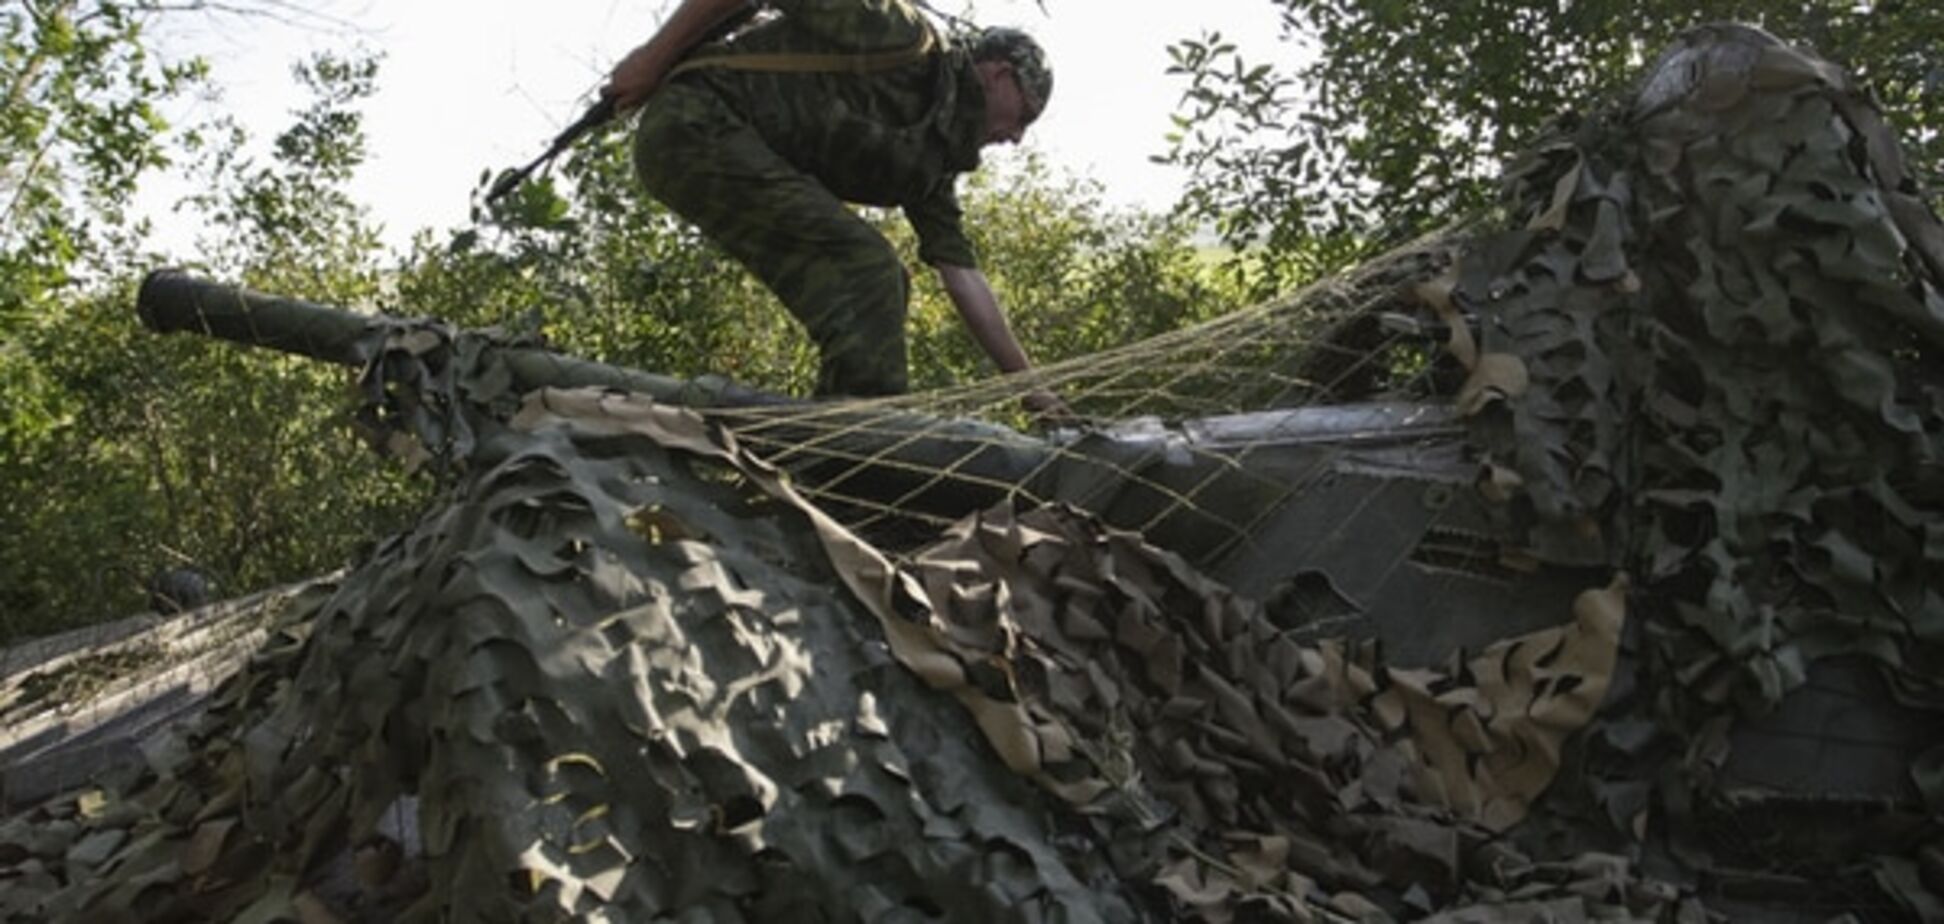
[1490, 749]
[1192, 733]
[556, 716]
[1730, 310]
[1776, 367]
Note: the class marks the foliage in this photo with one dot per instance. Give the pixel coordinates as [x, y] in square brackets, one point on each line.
[1403, 112]
[289, 224]
[78, 128]
[183, 451]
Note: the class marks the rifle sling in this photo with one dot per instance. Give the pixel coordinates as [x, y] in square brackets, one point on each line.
[814, 62]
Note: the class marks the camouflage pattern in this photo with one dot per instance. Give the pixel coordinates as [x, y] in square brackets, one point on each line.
[1028, 62]
[633, 669]
[763, 162]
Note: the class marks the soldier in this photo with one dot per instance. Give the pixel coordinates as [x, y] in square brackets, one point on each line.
[760, 139]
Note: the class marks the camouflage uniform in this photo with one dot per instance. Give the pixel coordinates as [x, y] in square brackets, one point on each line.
[762, 162]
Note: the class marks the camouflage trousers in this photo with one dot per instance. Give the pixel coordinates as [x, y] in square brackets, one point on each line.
[836, 274]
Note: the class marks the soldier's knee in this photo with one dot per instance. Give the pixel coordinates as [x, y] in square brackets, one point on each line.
[673, 133]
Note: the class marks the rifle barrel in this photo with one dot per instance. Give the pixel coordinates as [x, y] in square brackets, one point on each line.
[596, 116]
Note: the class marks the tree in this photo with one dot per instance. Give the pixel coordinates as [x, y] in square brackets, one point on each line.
[168, 451]
[1405, 111]
[78, 129]
[82, 85]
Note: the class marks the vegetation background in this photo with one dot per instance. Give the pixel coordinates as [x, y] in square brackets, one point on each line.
[122, 453]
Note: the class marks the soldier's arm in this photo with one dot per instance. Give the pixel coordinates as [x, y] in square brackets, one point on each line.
[641, 72]
[972, 295]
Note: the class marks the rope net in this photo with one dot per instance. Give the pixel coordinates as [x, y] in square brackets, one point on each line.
[1163, 431]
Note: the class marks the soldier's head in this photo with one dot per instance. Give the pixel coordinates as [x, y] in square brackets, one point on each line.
[1017, 81]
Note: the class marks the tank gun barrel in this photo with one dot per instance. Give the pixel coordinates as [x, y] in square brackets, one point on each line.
[172, 301]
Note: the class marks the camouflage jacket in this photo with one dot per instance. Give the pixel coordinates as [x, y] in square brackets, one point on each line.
[893, 137]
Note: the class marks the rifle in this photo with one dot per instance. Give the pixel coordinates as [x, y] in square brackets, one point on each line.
[598, 114]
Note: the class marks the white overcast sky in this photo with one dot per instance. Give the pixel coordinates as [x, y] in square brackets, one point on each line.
[466, 86]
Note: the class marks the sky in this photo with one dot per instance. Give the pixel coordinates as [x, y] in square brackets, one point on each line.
[485, 84]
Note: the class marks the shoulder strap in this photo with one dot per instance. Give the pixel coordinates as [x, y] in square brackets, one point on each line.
[815, 62]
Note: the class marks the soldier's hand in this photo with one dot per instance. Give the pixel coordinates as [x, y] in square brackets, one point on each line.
[637, 76]
[1048, 410]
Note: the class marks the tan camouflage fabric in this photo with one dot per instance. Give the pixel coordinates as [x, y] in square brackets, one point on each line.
[625, 671]
[1706, 349]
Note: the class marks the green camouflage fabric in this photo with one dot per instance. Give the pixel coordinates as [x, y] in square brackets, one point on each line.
[763, 162]
[634, 669]
[1707, 353]
[628, 673]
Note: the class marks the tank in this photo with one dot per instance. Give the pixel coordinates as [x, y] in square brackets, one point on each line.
[1623, 605]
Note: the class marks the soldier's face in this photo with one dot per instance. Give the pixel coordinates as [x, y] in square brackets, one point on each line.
[1005, 117]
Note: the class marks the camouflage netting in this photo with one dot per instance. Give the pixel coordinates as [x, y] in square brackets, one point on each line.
[1711, 355]
[869, 661]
